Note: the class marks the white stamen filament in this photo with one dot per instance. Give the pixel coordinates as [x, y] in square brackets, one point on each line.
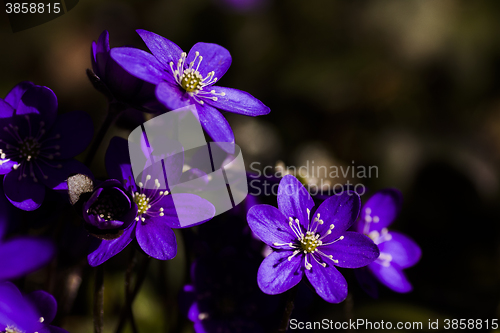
[310, 242]
[192, 81]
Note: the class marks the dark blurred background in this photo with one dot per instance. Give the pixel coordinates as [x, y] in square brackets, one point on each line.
[412, 87]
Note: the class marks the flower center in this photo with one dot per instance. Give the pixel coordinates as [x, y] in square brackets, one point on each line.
[147, 202]
[192, 81]
[12, 329]
[142, 203]
[29, 148]
[311, 242]
[29, 152]
[380, 237]
[108, 207]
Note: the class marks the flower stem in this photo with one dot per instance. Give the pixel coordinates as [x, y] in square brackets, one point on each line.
[128, 287]
[114, 109]
[130, 295]
[288, 309]
[99, 299]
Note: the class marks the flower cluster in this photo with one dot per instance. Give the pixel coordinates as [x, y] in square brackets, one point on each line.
[397, 251]
[309, 242]
[233, 279]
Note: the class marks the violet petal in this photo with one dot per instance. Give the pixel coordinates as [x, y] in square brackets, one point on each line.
[328, 282]
[21, 313]
[185, 210]
[156, 239]
[294, 200]
[214, 123]
[381, 209]
[40, 101]
[353, 251]
[339, 210]
[215, 58]
[101, 250]
[172, 96]
[403, 250]
[20, 256]
[238, 101]
[163, 49]
[140, 64]
[271, 226]
[23, 193]
[6, 111]
[45, 303]
[277, 274]
[14, 96]
[391, 276]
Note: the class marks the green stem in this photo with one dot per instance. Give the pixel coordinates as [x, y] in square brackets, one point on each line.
[285, 320]
[114, 110]
[126, 312]
[99, 299]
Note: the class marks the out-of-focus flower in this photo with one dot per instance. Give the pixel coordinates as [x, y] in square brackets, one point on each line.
[21, 255]
[244, 6]
[310, 243]
[157, 214]
[117, 84]
[37, 146]
[26, 313]
[225, 296]
[109, 208]
[182, 79]
[397, 251]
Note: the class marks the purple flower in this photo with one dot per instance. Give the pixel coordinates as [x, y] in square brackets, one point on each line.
[156, 215]
[397, 251]
[244, 6]
[37, 146]
[182, 79]
[21, 255]
[110, 208]
[224, 295]
[26, 313]
[118, 84]
[309, 243]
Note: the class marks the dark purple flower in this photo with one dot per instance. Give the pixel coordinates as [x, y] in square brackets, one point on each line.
[109, 208]
[397, 251]
[244, 6]
[118, 84]
[182, 79]
[225, 296]
[156, 215]
[309, 243]
[26, 313]
[37, 146]
[20, 255]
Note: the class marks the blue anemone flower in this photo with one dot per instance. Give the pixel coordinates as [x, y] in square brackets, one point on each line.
[156, 213]
[20, 255]
[309, 243]
[26, 313]
[397, 251]
[37, 146]
[184, 78]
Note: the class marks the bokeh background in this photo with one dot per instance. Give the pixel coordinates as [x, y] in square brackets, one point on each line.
[412, 87]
